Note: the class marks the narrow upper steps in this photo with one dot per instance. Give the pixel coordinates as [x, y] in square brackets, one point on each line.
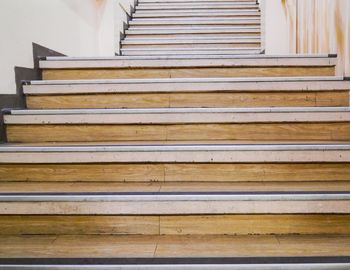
[163, 24]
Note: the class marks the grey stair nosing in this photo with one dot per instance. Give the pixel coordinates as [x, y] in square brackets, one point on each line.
[192, 80]
[169, 198]
[219, 28]
[198, 53]
[67, 58]
[325, 266]
[193, 50]
[234, 3]
[192, 19]
[266, 110]
[175, 148]
[194, 38]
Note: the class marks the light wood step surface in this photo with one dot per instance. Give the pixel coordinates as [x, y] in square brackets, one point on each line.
[215, 92]
[164, 67]
[176, 172]
[320, 224]
[173, 246]
[178, 124]
[175, 203]
[195, 153]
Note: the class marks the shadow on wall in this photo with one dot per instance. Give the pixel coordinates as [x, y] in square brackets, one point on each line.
[23, 74]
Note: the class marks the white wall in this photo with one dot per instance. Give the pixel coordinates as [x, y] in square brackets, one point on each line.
[309, 27]
[72, 27]
[275, 28]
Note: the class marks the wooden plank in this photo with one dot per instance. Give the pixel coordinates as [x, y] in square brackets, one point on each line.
[189, 45]
[255, 224]
[175, 225]
[176, 172]
[82, 172]
[174, 207]
[78, 225]
[189, 186]
[257, 172]
[175, 100]
[133, 132]
[173, 246]
[71, 74]
[253, 246]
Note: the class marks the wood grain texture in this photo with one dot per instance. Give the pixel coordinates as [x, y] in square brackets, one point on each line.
[176, 172]
[189, 45]
[173, 246]
[74, 74]
[175, 225]
[102, 186]
[255, 224]
[164, 100]
[179, 132]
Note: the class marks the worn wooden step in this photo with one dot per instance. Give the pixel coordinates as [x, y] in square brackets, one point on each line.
[200, 153]
[231, 30]
[195, 6]
[186, 40]
[188, 51]
[197, 14]
[196, 92]
[171, 186]
[195, 42]
[176, 172]
[250, 247]
[158, 67]
[302, 224]
[93, 125]
[181, 36]
[201, 21]
[194, 1]
[195, 46]
[174, 203]
[178, 263]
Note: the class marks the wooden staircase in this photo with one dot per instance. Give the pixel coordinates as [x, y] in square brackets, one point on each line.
[191, 150]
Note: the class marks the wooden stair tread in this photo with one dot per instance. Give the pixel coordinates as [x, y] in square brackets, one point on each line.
[174, 85]
[101, 186]
[173, 246]
[130, 61]
[179, 116]
[259, 153]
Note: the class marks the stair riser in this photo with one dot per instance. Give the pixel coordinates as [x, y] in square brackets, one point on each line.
[71, 74]
[175, 156]
[190, 35]
[195, 7]
[175, 100]
[196, 15]
[190, 52]
[165, 172]
[175, 225]
[180, 1]
[189, 25]
[175, 207]
[252, 45]
[193, 41]
[178, 132]
[200, 30]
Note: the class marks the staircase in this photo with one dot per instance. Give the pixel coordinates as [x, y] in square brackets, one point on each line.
[190, 150]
